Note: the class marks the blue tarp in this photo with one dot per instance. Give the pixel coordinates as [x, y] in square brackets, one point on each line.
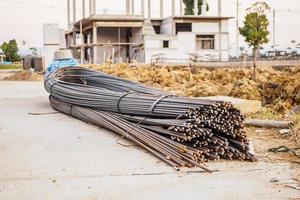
[6, 63]
[57, 64]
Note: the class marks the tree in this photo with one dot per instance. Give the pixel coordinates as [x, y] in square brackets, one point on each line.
[189, 7]
[11, 50]
[255, 29]
[33, 51]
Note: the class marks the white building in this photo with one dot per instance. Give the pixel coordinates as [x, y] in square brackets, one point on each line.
[99, 37]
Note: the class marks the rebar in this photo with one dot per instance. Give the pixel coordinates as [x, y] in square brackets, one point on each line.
[182, 131]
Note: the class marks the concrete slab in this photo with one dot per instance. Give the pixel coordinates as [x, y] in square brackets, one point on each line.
[246, 106]
[54, 156]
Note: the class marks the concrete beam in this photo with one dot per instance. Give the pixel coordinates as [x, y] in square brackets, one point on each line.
[149, 9]
[74, 11]
[127, 7]
[196, 9]
[68, 13]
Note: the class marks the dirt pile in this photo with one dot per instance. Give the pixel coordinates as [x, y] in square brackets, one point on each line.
[279, 90]
[24, 76]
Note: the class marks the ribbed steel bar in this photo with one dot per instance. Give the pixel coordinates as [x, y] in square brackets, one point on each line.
[208, 130]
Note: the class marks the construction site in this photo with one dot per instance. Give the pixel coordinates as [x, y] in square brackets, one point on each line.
[148, 103]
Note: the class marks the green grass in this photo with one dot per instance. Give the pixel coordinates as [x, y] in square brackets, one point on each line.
[12, 66]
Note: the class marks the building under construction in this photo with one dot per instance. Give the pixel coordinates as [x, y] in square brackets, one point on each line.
[136, 35]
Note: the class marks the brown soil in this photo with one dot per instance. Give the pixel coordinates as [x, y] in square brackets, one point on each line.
[24, 76]
[264, 139]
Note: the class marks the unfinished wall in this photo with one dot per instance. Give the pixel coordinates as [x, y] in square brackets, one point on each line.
[136, 50]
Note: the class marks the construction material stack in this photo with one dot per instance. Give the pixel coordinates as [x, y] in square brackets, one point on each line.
[182, 131]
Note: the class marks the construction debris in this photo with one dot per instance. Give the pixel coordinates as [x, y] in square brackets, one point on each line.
[25, 75]
[181, 131]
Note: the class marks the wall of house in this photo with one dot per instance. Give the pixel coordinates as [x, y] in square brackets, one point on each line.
[184, 43]
[179, 46]
[220, 30]
[53, 39]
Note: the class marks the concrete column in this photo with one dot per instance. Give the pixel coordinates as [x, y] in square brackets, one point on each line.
[81, 44]
[69, 11]
[196, 9]
[74, 43]
[94, 7]
[181, 7]
[220, 7]
[90, 7]
[220, 42]
[149, 9]
[143, 8]
[95, 55]
[132, 7]
[74, 11]
[173, 7]
[127, 7]
[204, 7]
[161, 8]
[83, 8]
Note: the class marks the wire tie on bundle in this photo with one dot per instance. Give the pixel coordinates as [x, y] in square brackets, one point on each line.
[119, 101]
[156, 102]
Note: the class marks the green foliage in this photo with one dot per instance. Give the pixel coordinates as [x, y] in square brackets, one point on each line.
[11, 50]
[255, 29]
[189, 7]
[12, 66]
[33, 51]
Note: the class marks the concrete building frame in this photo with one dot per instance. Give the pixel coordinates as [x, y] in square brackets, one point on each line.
[97, 38]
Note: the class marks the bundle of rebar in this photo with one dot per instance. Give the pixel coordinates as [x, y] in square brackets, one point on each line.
[182, 131]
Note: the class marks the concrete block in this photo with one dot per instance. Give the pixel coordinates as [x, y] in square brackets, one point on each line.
[246, 106]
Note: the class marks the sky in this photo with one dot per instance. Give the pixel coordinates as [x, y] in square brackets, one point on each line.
[24, 19]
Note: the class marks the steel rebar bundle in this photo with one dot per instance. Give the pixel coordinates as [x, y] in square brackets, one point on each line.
[181, 131]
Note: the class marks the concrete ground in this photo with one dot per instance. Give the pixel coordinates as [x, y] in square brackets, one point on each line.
[54, 156]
